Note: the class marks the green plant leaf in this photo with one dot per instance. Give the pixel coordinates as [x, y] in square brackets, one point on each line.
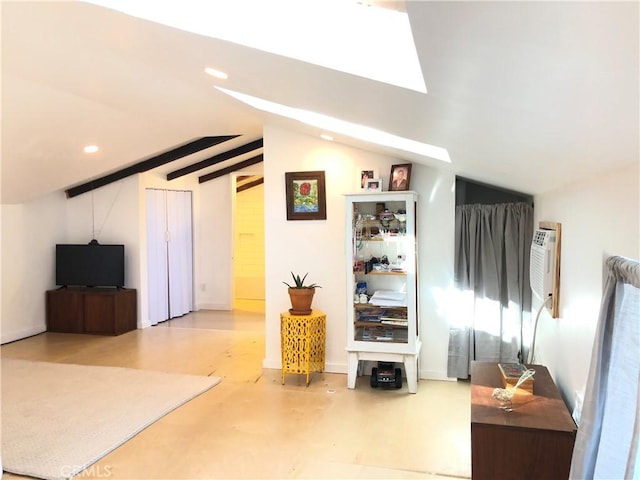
[299, 282]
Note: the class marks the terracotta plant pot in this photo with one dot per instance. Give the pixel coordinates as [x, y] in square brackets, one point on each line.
[301, 299]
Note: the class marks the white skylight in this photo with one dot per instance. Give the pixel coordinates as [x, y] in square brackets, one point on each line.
[336, 125]
[344, 35]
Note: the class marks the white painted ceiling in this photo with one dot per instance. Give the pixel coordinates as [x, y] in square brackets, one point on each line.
[527, 96]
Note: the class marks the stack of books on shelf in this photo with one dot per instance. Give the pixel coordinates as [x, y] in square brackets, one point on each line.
[370, 314]
[378, 334]
[380, 315]
[394, 318]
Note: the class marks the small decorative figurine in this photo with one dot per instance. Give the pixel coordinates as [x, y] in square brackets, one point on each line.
[505, 395]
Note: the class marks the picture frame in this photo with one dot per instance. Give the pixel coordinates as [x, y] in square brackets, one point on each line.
[366, 175]
[400, 177]
[374, 185]
[306, 195]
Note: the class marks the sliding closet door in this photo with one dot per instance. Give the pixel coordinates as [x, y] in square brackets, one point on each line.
[157, 265]
[180, 271]
[170, 254]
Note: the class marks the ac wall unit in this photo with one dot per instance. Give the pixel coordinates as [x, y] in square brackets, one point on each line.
[542, 264]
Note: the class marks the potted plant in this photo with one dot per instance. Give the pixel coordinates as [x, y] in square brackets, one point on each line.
[301, 295]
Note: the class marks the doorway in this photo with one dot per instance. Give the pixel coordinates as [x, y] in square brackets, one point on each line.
[170, 253]
[248, 243]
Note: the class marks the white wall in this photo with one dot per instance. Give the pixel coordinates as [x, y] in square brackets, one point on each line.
[110, 215]
[436, 230]
[599, 217]
[215, 241]
[29, 234]
[317, 246]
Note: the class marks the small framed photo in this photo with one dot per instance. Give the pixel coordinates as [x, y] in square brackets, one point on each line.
[400, 177]
[366, 175]
[306, 197]
[374, 185]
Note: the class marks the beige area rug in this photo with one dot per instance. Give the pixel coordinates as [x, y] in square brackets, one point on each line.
[57, 419]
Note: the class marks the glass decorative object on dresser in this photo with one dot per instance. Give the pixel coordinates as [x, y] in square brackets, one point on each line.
[382, 277]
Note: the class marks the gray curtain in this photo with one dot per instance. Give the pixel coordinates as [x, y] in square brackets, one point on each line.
[607, 441]
[493, 243]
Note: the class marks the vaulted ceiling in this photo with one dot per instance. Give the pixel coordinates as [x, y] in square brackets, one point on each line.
[525, 95]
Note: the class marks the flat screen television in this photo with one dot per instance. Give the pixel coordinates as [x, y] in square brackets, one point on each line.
[91, 265]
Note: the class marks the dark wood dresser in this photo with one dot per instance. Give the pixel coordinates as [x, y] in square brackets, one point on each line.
[534, 441]
[102, 311]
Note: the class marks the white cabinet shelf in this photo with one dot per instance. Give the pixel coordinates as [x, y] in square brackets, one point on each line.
[381, 256]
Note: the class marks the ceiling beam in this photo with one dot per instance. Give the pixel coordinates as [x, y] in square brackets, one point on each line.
[248, 185]
[231, 169]
[208, 162]
[153, 162]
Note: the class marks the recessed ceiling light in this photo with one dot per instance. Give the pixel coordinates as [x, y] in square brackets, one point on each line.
[91, 149]
[324, 136]
[216, 73]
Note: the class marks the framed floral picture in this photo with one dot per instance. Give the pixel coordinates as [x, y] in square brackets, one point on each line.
[306, 196]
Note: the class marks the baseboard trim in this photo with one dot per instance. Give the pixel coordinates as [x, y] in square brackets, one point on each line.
[433, 375]
[213, 306]
[22, 334]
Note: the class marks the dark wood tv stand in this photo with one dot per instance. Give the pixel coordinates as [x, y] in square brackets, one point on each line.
[101, 311]
[533, 441]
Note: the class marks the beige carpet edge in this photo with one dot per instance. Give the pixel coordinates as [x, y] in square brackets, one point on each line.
[26, 406]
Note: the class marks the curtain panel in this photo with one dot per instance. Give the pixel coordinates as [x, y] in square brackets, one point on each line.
[607, 440]
[492, 249]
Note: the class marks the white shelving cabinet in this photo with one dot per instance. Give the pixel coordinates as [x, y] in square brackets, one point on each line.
[381, 253]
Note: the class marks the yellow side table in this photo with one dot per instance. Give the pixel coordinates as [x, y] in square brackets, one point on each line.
[302, 342]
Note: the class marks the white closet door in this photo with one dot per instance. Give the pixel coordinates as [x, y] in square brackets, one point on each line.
[180, 271]
[157, 282]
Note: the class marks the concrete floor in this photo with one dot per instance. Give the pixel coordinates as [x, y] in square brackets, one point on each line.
[252, 426]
